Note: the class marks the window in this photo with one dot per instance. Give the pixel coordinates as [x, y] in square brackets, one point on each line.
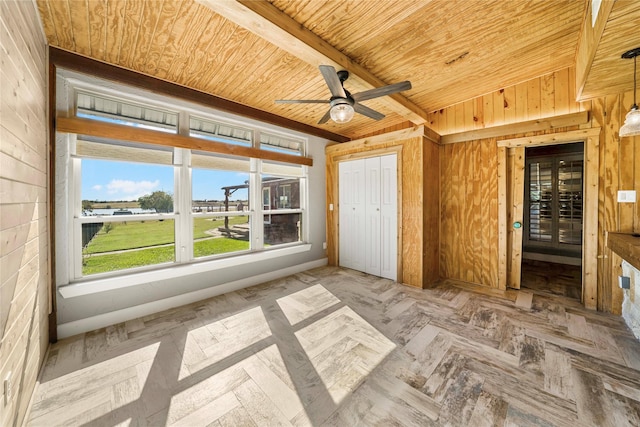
[281, 144]
[266, 203]
[284, 207]
[223, 132]
[125, 212]
[220, 206]
[554, 201]
[103, 108]
[138, 207]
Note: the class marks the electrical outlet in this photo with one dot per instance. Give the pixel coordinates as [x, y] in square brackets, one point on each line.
[324, 245]
[624, 282]
[8, 389]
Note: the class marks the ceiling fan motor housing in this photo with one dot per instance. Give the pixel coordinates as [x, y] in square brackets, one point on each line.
[337, 100]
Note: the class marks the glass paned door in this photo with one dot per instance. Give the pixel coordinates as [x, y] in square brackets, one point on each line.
[554, 218]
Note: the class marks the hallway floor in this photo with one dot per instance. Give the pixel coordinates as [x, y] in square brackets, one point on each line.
[333, 346]
[552, 278]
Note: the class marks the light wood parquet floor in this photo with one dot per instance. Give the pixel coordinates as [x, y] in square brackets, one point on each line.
[336, 347]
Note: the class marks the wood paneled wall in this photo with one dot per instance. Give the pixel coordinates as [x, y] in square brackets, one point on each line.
[24, 270]
[619, 170]
[468, 227]
[547, 96]
[418, 193]
[469, 212]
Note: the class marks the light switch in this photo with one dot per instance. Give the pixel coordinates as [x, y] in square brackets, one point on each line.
[628, 196]
[330, 206]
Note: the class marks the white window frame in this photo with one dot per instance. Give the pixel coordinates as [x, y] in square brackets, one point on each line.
[183, 214]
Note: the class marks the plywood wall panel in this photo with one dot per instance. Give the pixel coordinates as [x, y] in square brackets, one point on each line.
[468, 224]
[490, 218]
[598, 119]
[412, 205]
[445, 215]
[431, 212]
[476, 207]
[611, 173]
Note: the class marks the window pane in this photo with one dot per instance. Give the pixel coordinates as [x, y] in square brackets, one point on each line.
[123, 188]
[283, 193]
[282, 228]
[114, 246]
[281, 144]
[220, 191]
[220, 235]
[218, 131]
[126, 113]
[540, 199]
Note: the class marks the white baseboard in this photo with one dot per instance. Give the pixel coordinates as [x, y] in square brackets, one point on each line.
[103, 320]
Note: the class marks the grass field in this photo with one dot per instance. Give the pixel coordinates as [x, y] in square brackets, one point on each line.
[138, 243]
[116, 205]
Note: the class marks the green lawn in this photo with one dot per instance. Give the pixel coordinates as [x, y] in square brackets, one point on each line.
[146, 238]
[131, 235]
[219, 245]
[138, 234]
[200, 225]
[94, 264]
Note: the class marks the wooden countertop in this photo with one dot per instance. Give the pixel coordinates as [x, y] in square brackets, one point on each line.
[626, 245]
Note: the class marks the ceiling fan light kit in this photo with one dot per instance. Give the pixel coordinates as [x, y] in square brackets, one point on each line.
[343, 105]
[631, 125]
[341, 111]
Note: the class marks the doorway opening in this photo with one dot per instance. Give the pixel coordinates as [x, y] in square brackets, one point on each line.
[553, 218]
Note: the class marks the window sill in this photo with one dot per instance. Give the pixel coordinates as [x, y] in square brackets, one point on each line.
[178, 270]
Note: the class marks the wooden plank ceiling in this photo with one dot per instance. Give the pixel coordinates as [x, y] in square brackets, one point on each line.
[451, 51]
[609, 73]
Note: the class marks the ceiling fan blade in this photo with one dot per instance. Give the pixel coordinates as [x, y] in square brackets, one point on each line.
[331, 77]
[326, 117]
[366, 111]
[382, 91]
[302, 101]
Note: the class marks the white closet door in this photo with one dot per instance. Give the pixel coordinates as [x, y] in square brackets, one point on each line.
[368, 228]
[389, 217]
[352, 210]
[372, 216]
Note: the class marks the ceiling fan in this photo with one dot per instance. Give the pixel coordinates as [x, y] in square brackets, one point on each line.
[343, 104]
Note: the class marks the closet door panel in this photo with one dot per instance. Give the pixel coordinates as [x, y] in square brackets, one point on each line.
[346, 246]
[359, 210]
[389, 217]
[372, 214]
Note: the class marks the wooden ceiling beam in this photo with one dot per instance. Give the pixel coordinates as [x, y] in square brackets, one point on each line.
[266, 21]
